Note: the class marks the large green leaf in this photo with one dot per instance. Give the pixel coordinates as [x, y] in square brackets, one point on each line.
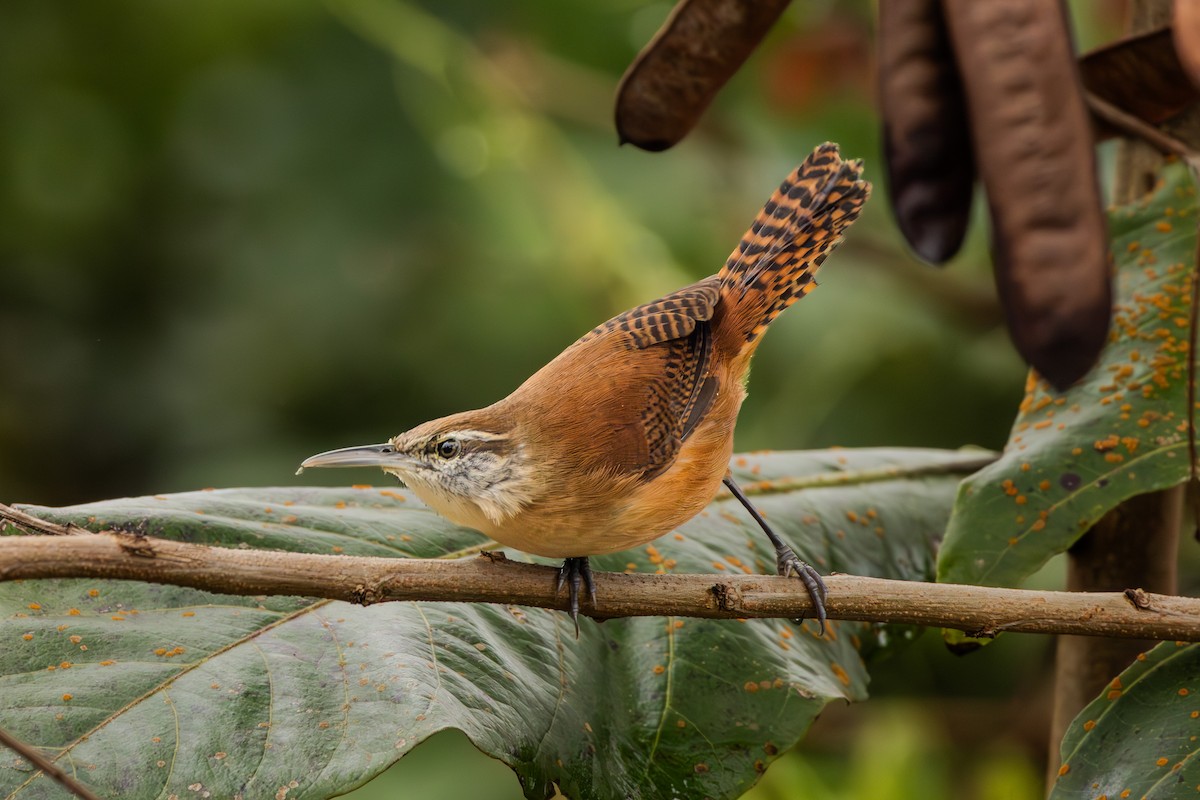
[1141, 737]
[148, 691]
[1122, 431]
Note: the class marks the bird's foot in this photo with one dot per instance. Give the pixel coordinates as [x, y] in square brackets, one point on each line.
[788, 564]
[575, 573]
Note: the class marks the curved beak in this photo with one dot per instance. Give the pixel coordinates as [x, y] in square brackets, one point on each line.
[370, 455]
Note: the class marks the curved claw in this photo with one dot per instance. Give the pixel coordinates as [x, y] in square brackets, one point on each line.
[575, 572]
[787, 565]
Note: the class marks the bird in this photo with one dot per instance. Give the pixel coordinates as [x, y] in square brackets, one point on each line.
[628, 433]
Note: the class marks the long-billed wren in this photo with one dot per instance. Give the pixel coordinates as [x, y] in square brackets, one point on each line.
[629, 431]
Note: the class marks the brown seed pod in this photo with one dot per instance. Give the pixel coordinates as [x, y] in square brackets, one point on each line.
[1035, 152]
[1140, 74]
[676, 76]
[926, 140]
[1187, 37]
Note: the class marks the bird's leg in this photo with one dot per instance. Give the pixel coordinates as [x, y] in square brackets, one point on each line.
[575, 572]
[786, 561]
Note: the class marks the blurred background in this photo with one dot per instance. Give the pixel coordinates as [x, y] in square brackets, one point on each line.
[238, 232]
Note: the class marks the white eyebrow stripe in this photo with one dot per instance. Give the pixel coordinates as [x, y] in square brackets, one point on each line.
[479, 436]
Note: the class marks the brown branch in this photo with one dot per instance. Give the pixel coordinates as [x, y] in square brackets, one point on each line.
[1135, 128]
[47, 766]
[491, 578]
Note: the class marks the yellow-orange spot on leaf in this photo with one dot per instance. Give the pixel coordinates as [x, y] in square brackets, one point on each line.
[340, 504]
[840, 673]
[65, 665]
[741, 462]
[1160, 761]
[1162, 226]
[1064, 769]
[75, 639]
[1091, 723]
[1113, 694]
[67, 698]
[1021, 500]
[1183, 692]
[718, 565]
[750, 686]
[117, 618]
[679, 537]
[27, 637]
[93, 592]
[1043, 424]
[1044, 485]
[1037, 525]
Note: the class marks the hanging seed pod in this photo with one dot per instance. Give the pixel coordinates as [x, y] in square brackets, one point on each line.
[1035, 152]
[926, 141]
[676, 76]
[1187, 37]
[1140, 74]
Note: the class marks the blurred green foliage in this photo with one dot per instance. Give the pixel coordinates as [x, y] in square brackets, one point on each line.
[237, 232]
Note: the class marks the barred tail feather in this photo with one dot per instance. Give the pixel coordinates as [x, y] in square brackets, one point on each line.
[774, 264]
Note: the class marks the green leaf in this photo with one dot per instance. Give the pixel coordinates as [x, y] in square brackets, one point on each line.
[1122, 431]
[1141, 737]
[148, 691]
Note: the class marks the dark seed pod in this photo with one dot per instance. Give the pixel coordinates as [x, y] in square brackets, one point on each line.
[1140, 74]
[1035, 152]
[926, 140]
[1187, 37]
[676, 76]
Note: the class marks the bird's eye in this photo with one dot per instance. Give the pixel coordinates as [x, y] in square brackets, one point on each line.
[449, 448]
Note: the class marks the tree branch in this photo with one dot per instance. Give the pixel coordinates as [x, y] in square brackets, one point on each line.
[491, 578]
[47, 766]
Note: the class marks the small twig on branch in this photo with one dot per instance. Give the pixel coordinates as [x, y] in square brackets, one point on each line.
[28, 522]
[1136, 128]
[980, 611]
[47, 766]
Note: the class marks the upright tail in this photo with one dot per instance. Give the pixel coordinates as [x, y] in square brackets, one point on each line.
[774, 264]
